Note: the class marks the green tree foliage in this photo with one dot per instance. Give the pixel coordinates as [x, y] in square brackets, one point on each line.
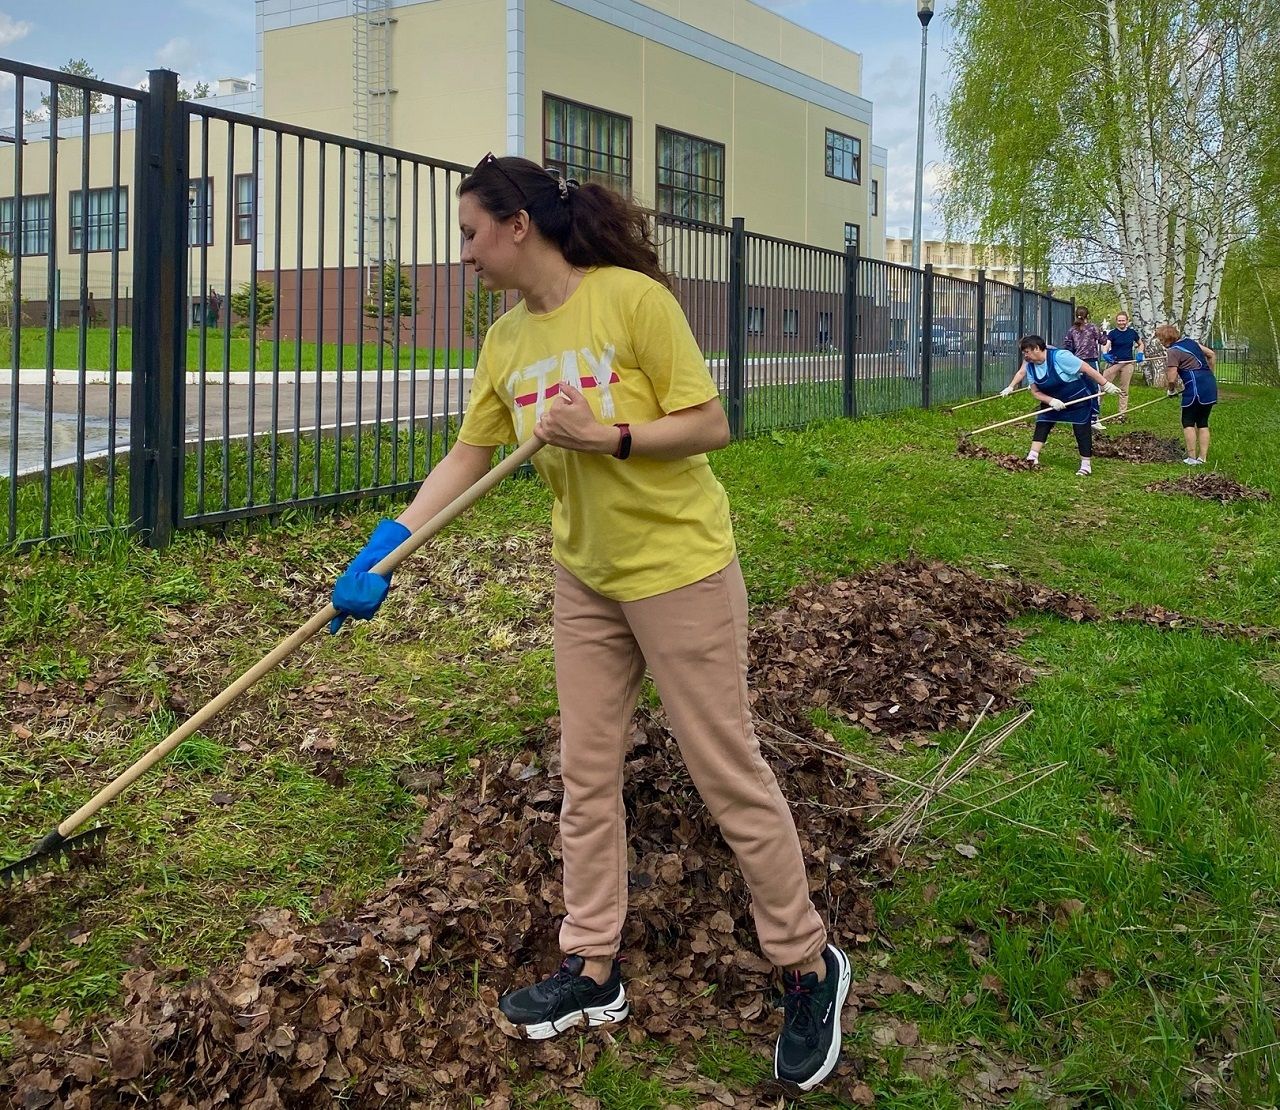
[199, 92]
[1115, 137]
[390, 302]
[482, 307]
[260, 308]
[70, 99]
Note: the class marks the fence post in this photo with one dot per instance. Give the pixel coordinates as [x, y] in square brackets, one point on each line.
[980, 330]
[926, 339]
[849, 343]
[1022, 309]
[159, 334]
[737, 325]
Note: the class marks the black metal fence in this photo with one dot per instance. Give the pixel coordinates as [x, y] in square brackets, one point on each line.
[213, 315]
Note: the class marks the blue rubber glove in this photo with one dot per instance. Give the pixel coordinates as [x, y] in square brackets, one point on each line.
[1108, 357]
[1139, 357]
[359, 592]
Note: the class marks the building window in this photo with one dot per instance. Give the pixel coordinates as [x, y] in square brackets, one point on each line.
[755, 319]
[93, 231]
[690, 177]
[875, 197]
[790, 322]
[244, 207]
[823, 330]
[853, 236]
[586, 143]
[200, 211]
[844, 156]
[33, 236]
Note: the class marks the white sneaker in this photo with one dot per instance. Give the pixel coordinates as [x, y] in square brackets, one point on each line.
[1192, 462]
[1098, 426]
[1082, 473]
[1034, 460]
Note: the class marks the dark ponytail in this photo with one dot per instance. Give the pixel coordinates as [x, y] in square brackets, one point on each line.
[590, 224]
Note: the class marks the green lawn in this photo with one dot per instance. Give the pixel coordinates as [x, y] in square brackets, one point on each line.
[211, 350]
[1126, 949]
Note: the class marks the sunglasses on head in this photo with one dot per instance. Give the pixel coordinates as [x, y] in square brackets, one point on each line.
[491, 159]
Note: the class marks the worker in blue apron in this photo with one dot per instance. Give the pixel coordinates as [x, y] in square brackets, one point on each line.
[1189, 368]
[1062, 383]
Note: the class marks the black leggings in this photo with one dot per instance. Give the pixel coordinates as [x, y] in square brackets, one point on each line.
[1084, 436]
[1196, 415]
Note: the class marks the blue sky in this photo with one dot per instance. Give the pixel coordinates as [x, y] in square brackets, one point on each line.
[206, 39]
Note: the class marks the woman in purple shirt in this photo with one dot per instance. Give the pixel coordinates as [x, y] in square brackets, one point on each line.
[1085, 340]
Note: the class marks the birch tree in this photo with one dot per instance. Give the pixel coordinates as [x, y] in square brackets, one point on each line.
[1122, 131]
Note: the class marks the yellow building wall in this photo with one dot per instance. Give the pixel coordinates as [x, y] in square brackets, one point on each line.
[98, 264]
[775, 143]
[448, 67]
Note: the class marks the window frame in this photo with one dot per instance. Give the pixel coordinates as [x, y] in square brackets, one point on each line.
[89, 229]
[856, 241]
[582, 171]
[193, 222]
[875, 196]
[855, 155]
[755, 312]
[251, 215]
[670, 192]
[18, 229]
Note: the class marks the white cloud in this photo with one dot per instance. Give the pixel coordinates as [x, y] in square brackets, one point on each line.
[11, 30]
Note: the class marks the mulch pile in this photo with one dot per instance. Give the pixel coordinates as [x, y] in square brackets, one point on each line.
[1210, 486]
[968, 449]
[1139, 447]
[393, 1004]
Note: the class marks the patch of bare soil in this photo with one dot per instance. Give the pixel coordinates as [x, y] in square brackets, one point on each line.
[1139, 446]
[970, 450]
[1209, 486]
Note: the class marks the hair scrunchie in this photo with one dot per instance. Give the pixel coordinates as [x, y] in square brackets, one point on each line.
[565, 184]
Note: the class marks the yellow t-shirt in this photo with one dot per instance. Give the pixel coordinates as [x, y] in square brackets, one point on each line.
[627, 528]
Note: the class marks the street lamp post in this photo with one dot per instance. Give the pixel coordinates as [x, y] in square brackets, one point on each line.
[924, 12]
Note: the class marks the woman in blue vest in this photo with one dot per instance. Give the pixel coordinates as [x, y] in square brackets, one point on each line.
[1190, 369]
[1061, 383]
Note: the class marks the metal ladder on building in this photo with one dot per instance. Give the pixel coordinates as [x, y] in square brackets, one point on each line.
[372, 24]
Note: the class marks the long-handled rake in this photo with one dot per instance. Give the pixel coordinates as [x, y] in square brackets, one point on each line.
[60, 843]
[984, 400]
[1028, 416]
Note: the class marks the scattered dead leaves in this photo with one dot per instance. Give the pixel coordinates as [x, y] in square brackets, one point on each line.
[1209, 485]
[967, 448]
[1138, 447]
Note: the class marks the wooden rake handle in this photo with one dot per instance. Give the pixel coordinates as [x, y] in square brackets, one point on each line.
[1030, 415]
[984, 400]
[287, 647]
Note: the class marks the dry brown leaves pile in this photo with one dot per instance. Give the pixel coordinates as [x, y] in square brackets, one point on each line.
[911, 647]
[1211, 486]
[1139, 447]
[393, 1005]
[968, 449]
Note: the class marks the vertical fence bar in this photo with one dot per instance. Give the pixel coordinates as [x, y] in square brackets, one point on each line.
[980, 332]
[15, 303]
[736, 353]
[926, 333]
[849, 392]
[159, 276]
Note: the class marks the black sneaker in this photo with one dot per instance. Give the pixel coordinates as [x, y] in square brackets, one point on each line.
[566, 999]
[809, 1044]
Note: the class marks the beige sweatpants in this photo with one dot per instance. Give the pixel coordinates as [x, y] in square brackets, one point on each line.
[1123, 371]
[694, 641]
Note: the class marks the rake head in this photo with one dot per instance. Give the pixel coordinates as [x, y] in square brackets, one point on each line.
[51, 851]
